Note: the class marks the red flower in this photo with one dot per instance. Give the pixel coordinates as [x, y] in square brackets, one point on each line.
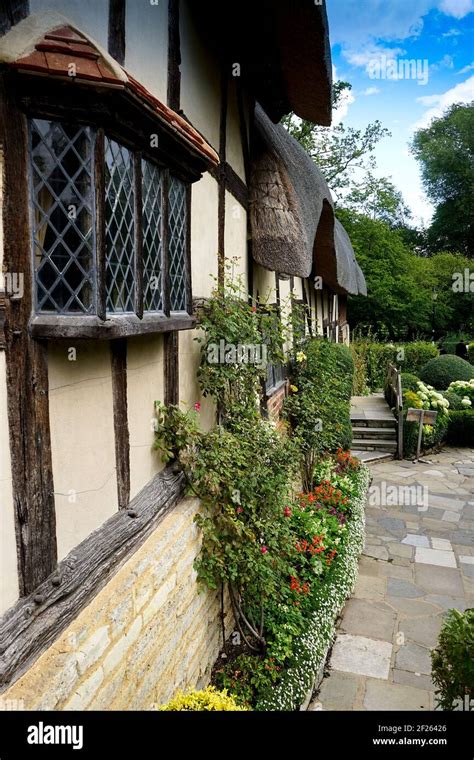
[197, 406]
[239, 510]
[287, 512]
[263, 549]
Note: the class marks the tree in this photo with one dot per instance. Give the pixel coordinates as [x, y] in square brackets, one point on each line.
[339, 151]
[445, 150]
[378, 198]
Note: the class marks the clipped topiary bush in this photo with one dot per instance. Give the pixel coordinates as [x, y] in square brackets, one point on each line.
[409, 382]
[444, 370]
[209, 699]
[461, 428]
[417, 354]
[452, 661]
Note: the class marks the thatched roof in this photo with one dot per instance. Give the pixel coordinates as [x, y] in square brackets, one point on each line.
[294, 230]
[282, 47]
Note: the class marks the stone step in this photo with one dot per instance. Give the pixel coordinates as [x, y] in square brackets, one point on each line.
[383, 422]
[372, 456]
[373, 432]
[373, 444]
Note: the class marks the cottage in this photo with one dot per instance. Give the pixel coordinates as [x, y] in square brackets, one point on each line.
[139, 150]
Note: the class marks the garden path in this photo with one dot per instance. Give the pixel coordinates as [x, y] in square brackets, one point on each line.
[374, 428]
[417, 563]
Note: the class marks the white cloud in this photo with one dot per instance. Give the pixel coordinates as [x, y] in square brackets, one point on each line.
[342, 109]
[447, 62]
[371, 91]
[457, 8]
[467, 69]
[452, 33]
[462, 93]
[370, 52]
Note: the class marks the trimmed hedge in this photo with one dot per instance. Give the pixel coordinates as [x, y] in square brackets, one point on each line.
[455, 401]
[444, 370]
[409, 382]
[371, 360]
[311, 649]
[461, 428]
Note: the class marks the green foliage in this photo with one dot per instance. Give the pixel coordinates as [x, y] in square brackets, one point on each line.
[461, 428]
[424, 397]
[455, 401]
[464, 389]
[359, 385]
[416, 355]
[373, 358]
[319, 409]
[446, 152]
[409, 382]
[202, 701]
[444, 370]
[453, 660]
[470, 350]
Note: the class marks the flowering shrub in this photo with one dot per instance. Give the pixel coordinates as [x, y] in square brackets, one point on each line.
[465, 389]
[324, 524]
[425, 397]
[202, 701]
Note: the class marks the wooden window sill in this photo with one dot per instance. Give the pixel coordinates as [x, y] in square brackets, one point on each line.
[54, 327]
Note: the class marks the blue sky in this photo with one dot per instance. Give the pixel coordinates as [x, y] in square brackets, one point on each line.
[370, 36]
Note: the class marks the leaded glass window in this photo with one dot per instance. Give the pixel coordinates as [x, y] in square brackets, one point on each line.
[62, 217]
[120, 228]
[177, 244]
[70, 245]
[152, 194]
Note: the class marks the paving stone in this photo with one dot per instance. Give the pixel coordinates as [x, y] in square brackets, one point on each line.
[365, 618]
[434, 513]
[338, 692]
[438, 557]
[434, 473]
[390, 570]
[466, 559]
[411, 607]
[445, 502]
[451, 517]
[379, 552]
[441, 543]
[439, 580]
[418, 681]
[423, 630]
[396, 587]
[368, 587]
[393, 696]
[415, 540]
[468, 570]
[462, 537]
[401, 550]
[361, 655]
[391, 523]
[448, 602]
[413, 657]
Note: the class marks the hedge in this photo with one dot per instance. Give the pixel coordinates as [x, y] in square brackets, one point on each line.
[311, 649]
[461, 428]
[446, 369]
[371, 360]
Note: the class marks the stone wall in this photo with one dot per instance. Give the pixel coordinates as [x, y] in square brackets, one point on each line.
[147, 633]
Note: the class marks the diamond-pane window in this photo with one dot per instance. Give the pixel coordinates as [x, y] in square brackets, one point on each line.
[120, 228]
[62, 217]
[177, 244]
[152, 193]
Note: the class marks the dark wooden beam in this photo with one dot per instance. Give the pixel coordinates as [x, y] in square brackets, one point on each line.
[116, 42]
[137, 179]
[100, 242]
[11, 12]
[31, 626]
[233, 183]
[119, 326]
[118, 350]
[26, 369]
[3, 305]
[171, 368]
[174, 56]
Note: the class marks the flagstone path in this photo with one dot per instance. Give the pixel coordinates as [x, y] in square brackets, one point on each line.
[418, 562]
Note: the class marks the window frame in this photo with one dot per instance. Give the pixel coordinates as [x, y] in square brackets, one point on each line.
[128, 122]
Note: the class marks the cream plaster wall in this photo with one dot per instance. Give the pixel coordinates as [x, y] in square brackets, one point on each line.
[89, 16]
[144, 387]
[146, 44]
[204, 239]
[200, 81]
[189, 391]
[235, 240]
[298, 288]
[264, 284]
[82, 440]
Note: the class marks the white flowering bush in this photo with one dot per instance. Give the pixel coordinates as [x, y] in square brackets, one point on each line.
[311, 648]
[464, 389]
[431, 398]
